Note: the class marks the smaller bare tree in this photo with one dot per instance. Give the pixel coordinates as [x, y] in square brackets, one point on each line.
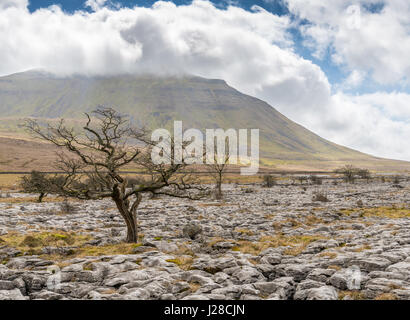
[315, 180]
[38, 182]
[349, 173]
[364, 174]
[269, 180]
[218, 168]
[302, 179]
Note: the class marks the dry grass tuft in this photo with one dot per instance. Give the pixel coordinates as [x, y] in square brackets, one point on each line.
[184, 257]
[386, 296]
[32, 243]
[194, 286]
[362, 248]
[277, 226]
[215, 204]
[112, 249]
[183, 262]
[245, 231]
[37, 240]
[354, 295]
[297, 243]
[109, 291]
[334, 267]
[380, 212]
[312, 220]
[19, 200]
[215, 240]
[328, 254]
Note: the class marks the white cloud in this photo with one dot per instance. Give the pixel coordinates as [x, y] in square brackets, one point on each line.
[252, 51]
[354, 79]
[377, 123]
[95, 4]
[371, 41]
[368, 43]
[22, 4]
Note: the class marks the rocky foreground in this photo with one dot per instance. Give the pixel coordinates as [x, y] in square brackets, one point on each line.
[344, 241]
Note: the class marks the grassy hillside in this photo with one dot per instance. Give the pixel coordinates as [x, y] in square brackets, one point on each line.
[157, 102]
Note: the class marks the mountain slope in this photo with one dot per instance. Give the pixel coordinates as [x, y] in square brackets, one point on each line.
[156, 102]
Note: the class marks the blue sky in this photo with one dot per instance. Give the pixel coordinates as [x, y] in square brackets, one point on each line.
[339, 68]
[71, 5]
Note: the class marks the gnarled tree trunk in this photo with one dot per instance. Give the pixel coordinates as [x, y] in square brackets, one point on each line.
[218, 191]
[41, 196]
[129, 213]
[218, 187]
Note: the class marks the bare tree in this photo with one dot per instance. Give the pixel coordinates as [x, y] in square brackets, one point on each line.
[218, 168]
[364, 174]
[269, 180]
[315, 180]
[349, 173]
[106, 145]
[36, 182]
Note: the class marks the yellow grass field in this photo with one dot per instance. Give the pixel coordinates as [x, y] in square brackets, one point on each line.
[23, 154]
[9, 181]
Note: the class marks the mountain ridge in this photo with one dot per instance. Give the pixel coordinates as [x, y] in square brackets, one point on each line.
[157, 101]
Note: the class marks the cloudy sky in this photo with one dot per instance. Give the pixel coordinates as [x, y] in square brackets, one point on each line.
[341, 68]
